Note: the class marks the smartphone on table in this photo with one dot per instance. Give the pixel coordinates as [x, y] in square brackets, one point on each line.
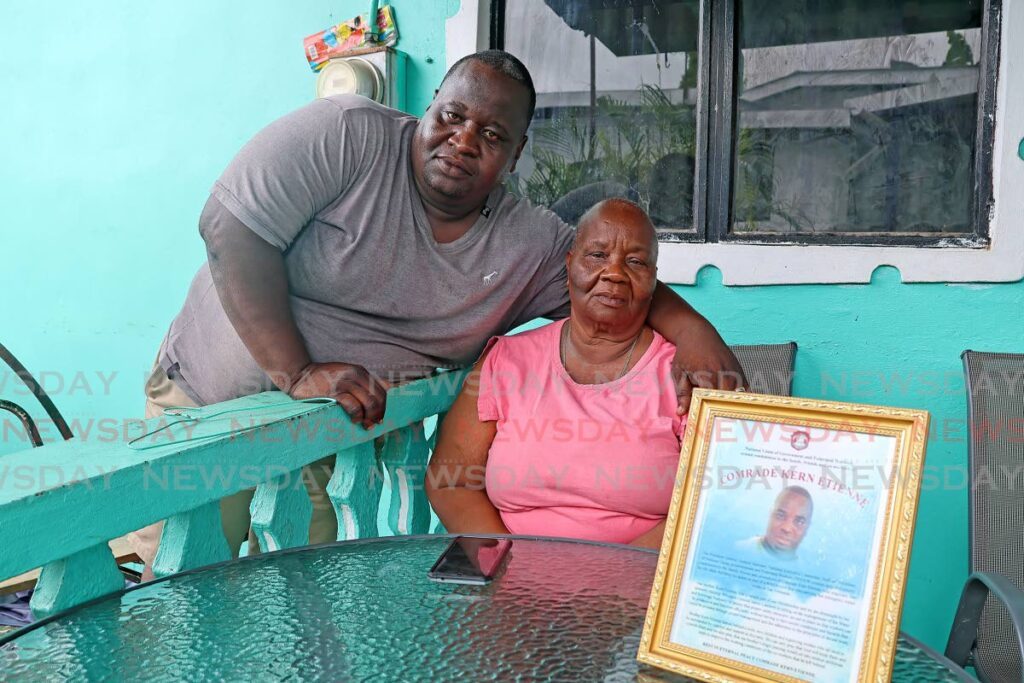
[470, 560]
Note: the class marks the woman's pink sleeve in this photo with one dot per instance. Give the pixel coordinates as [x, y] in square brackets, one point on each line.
[487, 399]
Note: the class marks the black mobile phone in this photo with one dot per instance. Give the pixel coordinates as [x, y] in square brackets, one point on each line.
[469, 560]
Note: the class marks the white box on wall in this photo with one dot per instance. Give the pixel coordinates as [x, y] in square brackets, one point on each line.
[376, 73]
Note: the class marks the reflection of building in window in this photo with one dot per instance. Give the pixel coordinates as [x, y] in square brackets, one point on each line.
[857, 149]
[851, 116]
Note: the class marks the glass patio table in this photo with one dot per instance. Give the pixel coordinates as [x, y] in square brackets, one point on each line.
[562, 610]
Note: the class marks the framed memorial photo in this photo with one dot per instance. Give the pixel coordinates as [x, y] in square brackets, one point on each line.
[787, 542]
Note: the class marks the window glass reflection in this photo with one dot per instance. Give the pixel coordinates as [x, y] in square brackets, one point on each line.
[616, 87]
[856, 116]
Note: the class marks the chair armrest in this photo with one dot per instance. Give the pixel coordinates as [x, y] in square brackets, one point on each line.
[964, 633]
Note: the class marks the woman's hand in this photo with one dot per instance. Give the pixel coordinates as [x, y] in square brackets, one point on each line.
[360, 393]
[652, 538]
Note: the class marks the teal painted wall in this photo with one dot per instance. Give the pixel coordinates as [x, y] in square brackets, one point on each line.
[108, 148]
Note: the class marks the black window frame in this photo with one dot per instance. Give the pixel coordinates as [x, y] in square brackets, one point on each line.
[717, 132]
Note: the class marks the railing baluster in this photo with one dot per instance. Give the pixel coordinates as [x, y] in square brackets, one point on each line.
[281, 512]
[75, 579]
[191, 539]
[405, 455]
[355, 490]
[435, 524]
[432, 441]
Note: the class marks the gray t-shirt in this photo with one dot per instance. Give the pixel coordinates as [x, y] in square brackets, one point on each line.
[331, 186]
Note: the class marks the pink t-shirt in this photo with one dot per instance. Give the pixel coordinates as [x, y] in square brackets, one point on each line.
[590, 461]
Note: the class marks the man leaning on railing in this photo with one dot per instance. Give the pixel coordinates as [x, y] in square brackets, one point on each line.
[351, 246]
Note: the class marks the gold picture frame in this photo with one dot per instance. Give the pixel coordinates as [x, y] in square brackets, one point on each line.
[728, 606]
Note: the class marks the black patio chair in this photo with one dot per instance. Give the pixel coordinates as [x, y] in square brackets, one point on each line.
[988, 631]
[14, 589]
[33, 386]
[768, 367]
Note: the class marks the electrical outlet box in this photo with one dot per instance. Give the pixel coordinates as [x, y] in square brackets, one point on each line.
[376, 73]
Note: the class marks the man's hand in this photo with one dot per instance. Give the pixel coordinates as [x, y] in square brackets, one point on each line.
[361, 394]
[710, 365]
[252, 284]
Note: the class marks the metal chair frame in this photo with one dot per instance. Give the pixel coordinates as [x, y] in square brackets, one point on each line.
[962, 646]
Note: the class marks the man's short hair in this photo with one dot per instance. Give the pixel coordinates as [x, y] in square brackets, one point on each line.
[504, 63]
[798, 491]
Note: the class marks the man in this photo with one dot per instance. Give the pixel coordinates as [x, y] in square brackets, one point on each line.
[351, 246]
[788, 523]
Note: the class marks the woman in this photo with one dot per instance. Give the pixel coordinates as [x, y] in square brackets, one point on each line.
[571, 429]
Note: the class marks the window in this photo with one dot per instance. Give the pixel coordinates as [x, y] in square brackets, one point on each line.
[860, 122]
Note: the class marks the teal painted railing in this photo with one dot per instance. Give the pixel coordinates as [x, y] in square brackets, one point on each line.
[62, 503]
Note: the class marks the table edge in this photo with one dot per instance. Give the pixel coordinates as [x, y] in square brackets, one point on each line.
[14, 635]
